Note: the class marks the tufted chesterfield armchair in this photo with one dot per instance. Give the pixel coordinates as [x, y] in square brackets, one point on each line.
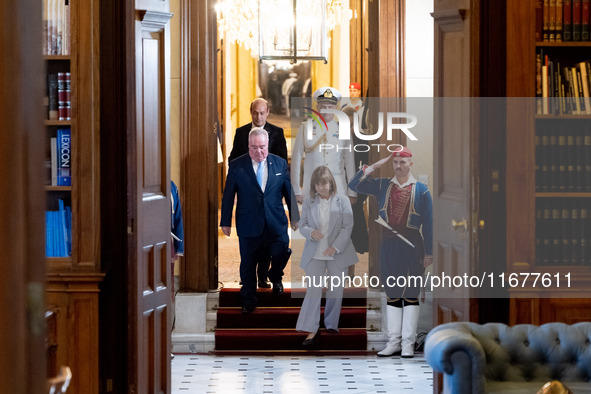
[496, 358]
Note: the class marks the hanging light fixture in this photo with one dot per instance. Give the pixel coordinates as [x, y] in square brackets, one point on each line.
[281, 29]
[292, 30]
[238, 21]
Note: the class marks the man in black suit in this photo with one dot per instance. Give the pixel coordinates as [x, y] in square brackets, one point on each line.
[259, 110]
[261, 182]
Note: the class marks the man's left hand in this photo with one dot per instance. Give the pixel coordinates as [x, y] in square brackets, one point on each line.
[353, 200]
[294, 226]
[427, 261]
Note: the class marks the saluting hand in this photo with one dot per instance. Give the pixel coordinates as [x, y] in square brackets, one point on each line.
[381, 162]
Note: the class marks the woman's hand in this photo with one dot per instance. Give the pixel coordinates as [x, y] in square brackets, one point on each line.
[316, 235]
[329, 252]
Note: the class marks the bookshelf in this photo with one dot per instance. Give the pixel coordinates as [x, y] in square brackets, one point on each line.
[548, 165]
[71, 53]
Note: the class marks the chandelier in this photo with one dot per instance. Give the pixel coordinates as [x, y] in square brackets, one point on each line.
[281, 29]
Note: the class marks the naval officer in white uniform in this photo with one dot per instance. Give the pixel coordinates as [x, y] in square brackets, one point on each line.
[317, 151]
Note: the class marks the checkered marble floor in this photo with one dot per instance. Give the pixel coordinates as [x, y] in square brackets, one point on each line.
[300, 374]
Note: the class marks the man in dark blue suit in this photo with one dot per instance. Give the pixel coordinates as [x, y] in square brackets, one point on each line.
[261, 182]
[259, 111]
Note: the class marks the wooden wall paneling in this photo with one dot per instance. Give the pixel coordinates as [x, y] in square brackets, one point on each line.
[524, 310]
[22, 360]
[74, 299]
[566, 310]
[86, 136]
[199, 146]
[520, 134]
[356, 48]
[87, 133]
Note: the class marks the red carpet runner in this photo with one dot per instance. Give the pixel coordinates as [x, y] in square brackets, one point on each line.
[271, 327]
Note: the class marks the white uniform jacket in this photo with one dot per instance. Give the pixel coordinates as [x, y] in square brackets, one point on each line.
[318, 152]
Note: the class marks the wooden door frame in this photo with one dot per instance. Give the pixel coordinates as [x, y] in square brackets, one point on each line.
[198, 144]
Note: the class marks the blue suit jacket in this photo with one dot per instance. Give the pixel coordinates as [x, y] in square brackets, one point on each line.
[254, 207]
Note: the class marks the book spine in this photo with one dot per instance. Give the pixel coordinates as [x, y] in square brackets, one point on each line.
[53, 145]
[547, 256]
[61, 95]
[66, 45]
[539, 20]
[585, 20]
[585, 86]
[571, 161]
[584, 235]
[545, 161]
[580, 160]
[575, 250]
[577, 6]
[552, 21]
[545, 20]
[587, 149]
[556, 236]
[545, 99]
[559, 20]
[567, 21]
[539, 92]
[47, 235]
[64, 158]
[581, 95]
[538, 162]
[562, 177]
[52, 94]
[553, 163]
[566, 235]
[539, 234]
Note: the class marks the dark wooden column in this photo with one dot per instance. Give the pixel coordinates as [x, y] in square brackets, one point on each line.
[198, 145]
[387, 79]
[22, 272]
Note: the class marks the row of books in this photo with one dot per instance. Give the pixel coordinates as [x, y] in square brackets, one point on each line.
[58, 231]
[60, 163]
[59, 102]
[563, 232]
[563, 156]
[56, 27]
[562, 89]
[562, 20]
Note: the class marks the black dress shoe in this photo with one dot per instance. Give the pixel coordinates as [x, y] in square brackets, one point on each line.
[332, 331]
[248, 308]
[263, 284]
[312, 341]
[277, 288]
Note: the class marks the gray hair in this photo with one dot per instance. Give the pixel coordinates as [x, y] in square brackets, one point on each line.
[258, 131]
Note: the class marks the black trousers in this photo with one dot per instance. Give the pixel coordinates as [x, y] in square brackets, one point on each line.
[277, 246]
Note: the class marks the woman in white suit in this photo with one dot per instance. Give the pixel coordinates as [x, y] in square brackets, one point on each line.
[326, 223]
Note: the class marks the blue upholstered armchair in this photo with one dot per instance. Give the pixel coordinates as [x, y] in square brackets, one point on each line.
[496, 358]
